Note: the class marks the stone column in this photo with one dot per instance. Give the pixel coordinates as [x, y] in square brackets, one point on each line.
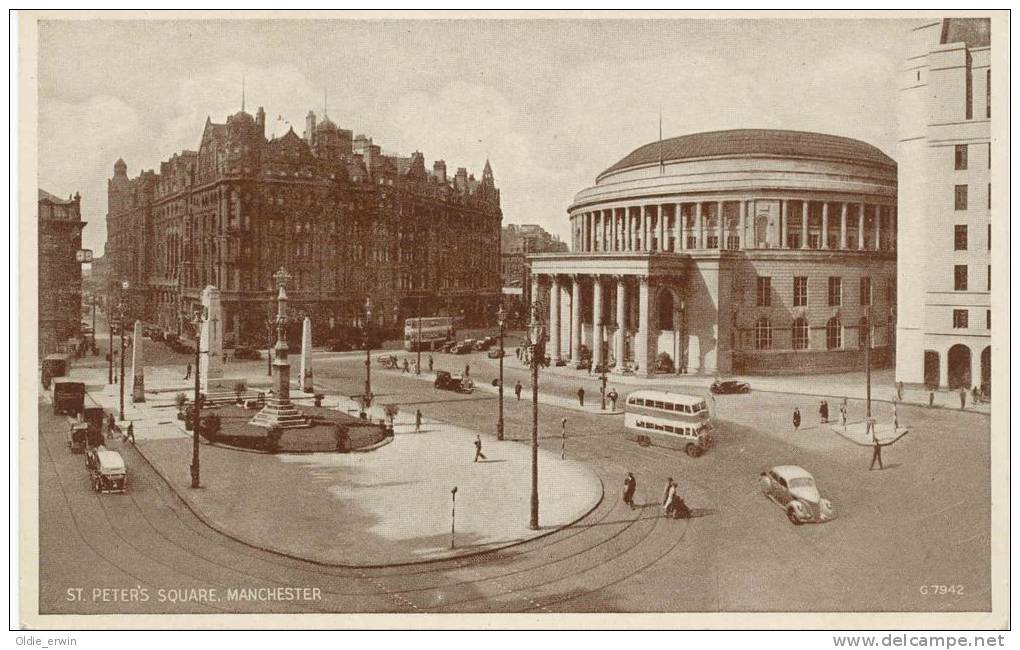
[613, 230]
[842, 226]
[306, 356]
[720, 226]
[621, 321]
[596, 322]
[535, 279]
[627, 240]
[645, 228]
[678, 225]
[975, 370]
[210, 361]
[742, 235]
[860, 229]
[662, 227]
[784, 218]
[575, 321]
[879, 209]
[700, 225]
[137, 365]
[554, 319]
[804, 224]
[604, 216]
[825, 225]
[641, 348]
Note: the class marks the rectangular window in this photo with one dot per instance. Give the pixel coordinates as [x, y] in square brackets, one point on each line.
[989, 278]
[764, 292]
[732, 242]
[712, 241]
[961, 156]
[988, 93]
[835, 291]
[865, 291]
[989, 236]
[960, 319]
[988, 319]
[989, 196]
[792, 240]
[800, 291]
[960, 277]
[961, 197]
[960, 238]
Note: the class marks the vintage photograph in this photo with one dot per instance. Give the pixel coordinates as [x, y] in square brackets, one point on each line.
[456, 313]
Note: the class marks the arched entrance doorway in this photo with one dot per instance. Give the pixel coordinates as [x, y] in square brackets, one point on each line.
[959, 366]
[931, 369]
[986, 371]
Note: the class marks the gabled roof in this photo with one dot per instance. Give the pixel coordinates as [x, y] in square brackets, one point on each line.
[46, 196]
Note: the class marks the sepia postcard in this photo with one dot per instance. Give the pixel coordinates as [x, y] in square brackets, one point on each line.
[554, 319]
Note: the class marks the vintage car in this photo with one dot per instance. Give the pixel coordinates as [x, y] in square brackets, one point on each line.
[457, 383]
[482, 345]
[495, 353]
[464, 347]
[388, 361]
[448, 346]
[729, 387]
[245, 353]
[77, 437]
[107, 470]
[794, 489]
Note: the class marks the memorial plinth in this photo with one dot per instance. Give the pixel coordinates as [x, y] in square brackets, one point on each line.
[279, 411]
[137, 365]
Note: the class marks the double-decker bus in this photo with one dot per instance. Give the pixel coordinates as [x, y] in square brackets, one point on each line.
[432, 332]
[670, 419]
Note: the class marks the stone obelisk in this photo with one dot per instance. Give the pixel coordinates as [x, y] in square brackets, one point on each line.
[137, 365]
[279, 411]
[306, 356]
[210, 361]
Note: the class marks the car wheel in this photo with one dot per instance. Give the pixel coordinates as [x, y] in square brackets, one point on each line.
[791, 514]
[692, 450]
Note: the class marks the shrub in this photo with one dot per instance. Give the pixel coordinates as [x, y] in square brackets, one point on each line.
[211, 425]
[391, 411]
[180, 399]
[664, 362]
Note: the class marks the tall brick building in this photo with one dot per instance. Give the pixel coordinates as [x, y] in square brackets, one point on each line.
[751, 251]
[60, 227]
[346, 220]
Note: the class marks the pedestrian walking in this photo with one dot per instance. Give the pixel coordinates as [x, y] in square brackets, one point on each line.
[931, 398]
[974, 395]
[613, 396]
[187, 371]
[796, 419]
[899, 390]
[407, 367]
[580, 396]
[629, 487]
[430, 363]
[876, 453]
[963, 398]
[823, 412]
[131, 433]
[896, 417]
[517, 390]
[417, 421]
[842, 416]
[226, 357]
[478, 448]
[467, 369]
[668, 501]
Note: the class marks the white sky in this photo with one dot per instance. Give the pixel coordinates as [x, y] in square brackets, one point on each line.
[551, 103]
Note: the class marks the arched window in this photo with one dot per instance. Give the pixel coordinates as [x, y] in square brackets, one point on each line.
[863, 333]
[834, 334]
[800, 334]
[762, 334]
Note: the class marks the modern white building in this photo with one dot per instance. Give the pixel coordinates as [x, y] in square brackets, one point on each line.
[944, 199]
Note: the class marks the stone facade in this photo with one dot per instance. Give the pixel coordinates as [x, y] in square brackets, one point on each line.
[346, 220]
[749, 251]
[60, 284]
[945, 155]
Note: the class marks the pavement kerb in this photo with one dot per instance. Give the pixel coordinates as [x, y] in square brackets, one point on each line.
[201, 516]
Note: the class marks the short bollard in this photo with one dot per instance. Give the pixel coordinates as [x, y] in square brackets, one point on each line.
[453, 519]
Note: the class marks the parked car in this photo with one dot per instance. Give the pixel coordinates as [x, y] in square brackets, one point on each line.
[794, 489]
[245, 353]
[496, 353]
[106, 469]
[729, 387]
[449, 381]
[464, 347]
[484, 344]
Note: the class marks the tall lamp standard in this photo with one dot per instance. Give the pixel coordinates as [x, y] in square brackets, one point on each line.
[417, 367]
[199, 317]
[501, 319]
[368, 354]
[123, 348]
[866, 335]
[536, 336]
[270, 325]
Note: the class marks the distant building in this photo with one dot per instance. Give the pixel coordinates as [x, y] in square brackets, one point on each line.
[517, 242]
[347, 221]
[60, 227]
[945, 190]
[749, 251]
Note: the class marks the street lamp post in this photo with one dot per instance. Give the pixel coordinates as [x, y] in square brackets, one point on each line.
[867, 359]
[95, 350]
[196, 415]
[270, 323]
[123, 348]
[417, 367]
[537, 335]
[605, 381]
[109, 323]
[367, 400]
[501, 318]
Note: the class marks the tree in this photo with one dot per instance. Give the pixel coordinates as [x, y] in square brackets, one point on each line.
[391, 411]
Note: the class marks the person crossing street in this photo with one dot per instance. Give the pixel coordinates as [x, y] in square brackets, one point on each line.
[478, 449]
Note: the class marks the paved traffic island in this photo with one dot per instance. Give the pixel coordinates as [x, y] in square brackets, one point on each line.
[390, 506]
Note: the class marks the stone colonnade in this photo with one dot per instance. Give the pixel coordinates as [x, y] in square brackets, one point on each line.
[706, 225]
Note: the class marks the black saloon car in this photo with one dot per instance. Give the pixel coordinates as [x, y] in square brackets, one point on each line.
[730, 387]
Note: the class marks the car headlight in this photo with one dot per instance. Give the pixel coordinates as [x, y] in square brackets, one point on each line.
[826, 506]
